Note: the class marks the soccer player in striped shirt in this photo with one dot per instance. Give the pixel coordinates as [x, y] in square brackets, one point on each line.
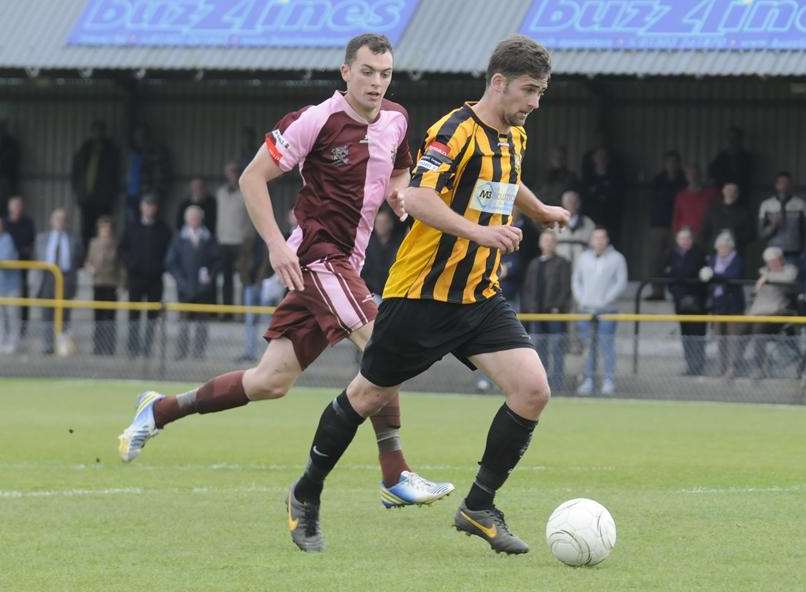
[443, 295]
[352, 152]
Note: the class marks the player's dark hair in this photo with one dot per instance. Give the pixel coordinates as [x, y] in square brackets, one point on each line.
[786, 174]
[519, 55]
[376, 43]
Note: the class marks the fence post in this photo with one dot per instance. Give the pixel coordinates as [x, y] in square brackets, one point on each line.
[637, 325]
[594, 345]
[163, 342]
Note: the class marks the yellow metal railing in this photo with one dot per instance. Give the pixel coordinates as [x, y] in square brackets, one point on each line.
[58, 288]
[218, 308]
[702, 318]
[60, 304]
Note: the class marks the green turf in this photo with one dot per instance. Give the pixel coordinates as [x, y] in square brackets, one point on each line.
[705, 497]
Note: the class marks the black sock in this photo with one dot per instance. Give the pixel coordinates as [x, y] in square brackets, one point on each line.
[507, 440]
[337, 427]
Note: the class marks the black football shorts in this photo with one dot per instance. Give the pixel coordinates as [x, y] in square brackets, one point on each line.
[411, 335]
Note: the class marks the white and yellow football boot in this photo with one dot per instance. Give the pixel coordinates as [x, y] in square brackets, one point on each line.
[142, 428]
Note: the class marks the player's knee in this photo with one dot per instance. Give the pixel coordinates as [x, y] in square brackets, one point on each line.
[268, 391]
[368, 399]
[536, 392]
[260, 386]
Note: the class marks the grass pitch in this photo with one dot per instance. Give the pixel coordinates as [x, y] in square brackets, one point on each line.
[705, 497]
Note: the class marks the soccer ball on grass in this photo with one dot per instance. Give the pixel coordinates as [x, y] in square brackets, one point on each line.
[581, 532]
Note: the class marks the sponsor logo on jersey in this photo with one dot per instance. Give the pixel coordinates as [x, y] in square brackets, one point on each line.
[274, 142]
[493, 197]
[426, 164]
[279, 139]
[436, 154]
[439, 149]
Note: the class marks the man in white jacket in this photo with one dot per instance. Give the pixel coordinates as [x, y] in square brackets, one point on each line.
[599, 278]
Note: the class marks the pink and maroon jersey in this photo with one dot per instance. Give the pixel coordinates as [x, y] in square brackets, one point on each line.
[345, 165]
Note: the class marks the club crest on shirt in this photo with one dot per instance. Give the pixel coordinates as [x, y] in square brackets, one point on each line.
[340, 155]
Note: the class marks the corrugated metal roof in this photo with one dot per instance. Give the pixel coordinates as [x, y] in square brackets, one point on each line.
[34, 34]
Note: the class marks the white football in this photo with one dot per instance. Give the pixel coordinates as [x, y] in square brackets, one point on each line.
[581, 532]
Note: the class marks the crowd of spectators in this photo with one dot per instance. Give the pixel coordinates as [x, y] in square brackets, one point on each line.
[702, 241]
[128, 189]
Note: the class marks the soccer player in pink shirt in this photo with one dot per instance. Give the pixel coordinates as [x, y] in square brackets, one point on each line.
[352, 153]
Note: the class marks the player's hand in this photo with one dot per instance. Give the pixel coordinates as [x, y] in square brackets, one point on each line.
[505, 238]
[555, 217]
[285, 264]
[396, 199]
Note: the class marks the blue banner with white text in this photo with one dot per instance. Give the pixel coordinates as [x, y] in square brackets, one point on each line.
[667, 24]
[238, 23]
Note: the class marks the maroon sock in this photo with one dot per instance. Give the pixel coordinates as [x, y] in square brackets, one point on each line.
[220, 393]
[392, 464]
[386, 424]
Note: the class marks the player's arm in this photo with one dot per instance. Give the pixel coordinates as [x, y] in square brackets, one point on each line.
[253, 183]
[425, 204]
[528, 203]
[399, 180]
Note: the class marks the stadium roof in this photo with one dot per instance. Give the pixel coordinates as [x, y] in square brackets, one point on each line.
[34, 34]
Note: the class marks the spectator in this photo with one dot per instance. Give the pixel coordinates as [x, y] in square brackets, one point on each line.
[9, 288]
[559, 178]
[199, 196]
[547, 289]
[733, 164]
[725, 299]
[193, 261]
[599, 278]
[774, 294]
[691, 204]
[142, 250]
[781, 219]
[577, 235]
[233, 225]
[9, 165]
[684, 265]
[728, 215]
[58, 247]
[103, 262]
[96, 178]
[148, 170]
[665, 187]
[604, 192]
[21, 228]
[254, 269]
[381, 251]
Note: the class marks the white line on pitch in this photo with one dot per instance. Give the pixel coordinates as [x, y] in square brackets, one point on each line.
[722, 490]
[72, 492]
[278, 467]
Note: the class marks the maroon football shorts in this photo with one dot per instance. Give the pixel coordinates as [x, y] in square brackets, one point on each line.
[335, 303]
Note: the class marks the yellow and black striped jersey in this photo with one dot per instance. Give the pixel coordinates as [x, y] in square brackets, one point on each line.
[476, 171]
